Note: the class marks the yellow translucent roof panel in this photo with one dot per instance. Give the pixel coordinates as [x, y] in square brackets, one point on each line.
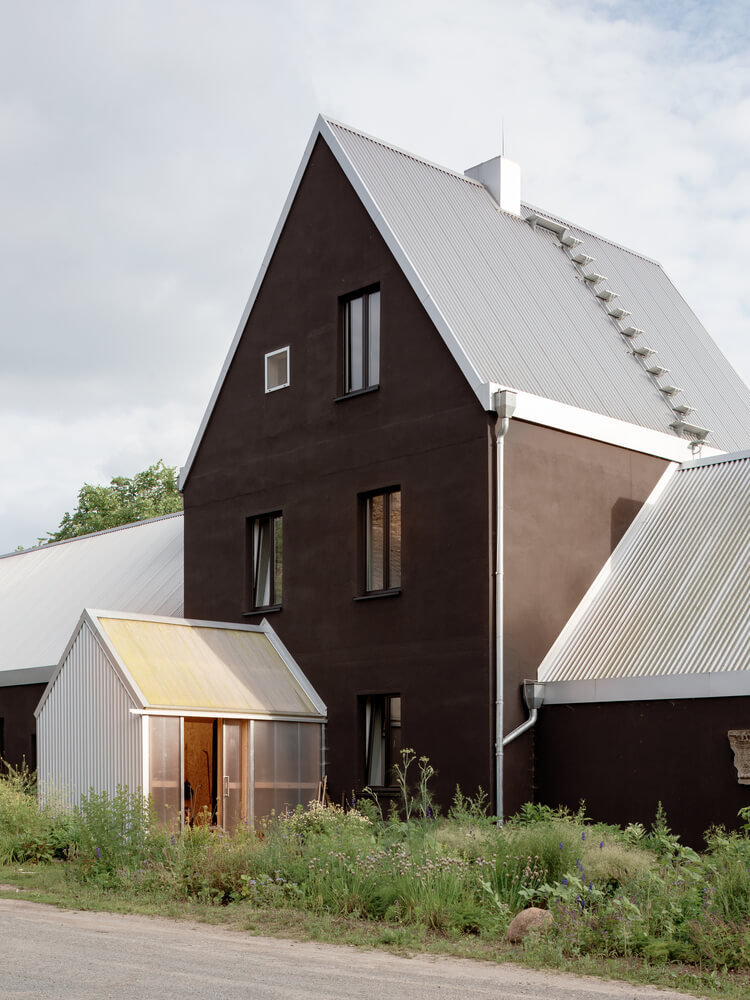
[200, 667]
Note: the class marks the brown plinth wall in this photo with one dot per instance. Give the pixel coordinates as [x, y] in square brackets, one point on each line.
[299, 452]
[625, 757]
[17, 704]
[568, 501]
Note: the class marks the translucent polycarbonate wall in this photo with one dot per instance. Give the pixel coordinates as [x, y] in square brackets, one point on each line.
[165, 768]
[232, 777]
[287, 771]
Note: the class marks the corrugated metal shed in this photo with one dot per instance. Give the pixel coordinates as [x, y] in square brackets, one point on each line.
[206, 667]
[520, 310]
[674, 599]
[138, 566]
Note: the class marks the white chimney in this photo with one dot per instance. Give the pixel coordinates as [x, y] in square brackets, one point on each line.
[502, 178]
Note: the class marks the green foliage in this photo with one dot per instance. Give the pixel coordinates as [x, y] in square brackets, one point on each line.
[612, 894]
[113, 835]
[148, 494]
[28, 833]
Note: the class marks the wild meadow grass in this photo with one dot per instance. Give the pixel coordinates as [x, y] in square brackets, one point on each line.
[617, 895]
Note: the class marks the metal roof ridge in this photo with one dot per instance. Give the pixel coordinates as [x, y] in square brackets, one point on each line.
[589, 232]
[93, 534]
[404, 152]
[730, 456]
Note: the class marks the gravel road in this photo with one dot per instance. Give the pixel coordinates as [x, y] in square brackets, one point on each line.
[51, 954]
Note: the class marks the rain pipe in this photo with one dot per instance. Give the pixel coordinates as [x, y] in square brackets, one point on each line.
[505, 406]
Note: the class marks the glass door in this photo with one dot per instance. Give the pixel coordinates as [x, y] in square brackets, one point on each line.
[231, 786]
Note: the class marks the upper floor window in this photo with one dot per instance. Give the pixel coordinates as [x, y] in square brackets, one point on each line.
[266, 544]
[362, 342]
[277, 369]
[382, 516]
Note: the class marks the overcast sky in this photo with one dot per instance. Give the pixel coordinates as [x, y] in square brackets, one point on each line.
[146, 150]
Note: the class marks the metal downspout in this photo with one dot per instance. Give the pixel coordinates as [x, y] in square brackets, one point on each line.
[505, 406]
[499, 456]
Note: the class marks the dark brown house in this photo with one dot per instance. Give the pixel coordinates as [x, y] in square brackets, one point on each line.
[440, 412]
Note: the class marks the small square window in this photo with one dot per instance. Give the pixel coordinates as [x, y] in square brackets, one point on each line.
[265, 551]
[382, 540]
[362, 342]
[382, 739]
[277, 370]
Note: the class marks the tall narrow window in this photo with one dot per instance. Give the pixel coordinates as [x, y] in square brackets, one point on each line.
[382, 739]
[266, 553]
[362, 342]
[382, 516]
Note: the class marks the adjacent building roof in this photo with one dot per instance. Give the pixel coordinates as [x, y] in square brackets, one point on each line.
[202, 668]
[516, 310]
[138, 566]
[669, 615]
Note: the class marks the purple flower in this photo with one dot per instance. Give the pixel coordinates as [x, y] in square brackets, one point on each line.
[98, 853]
[601, 844]
[583, 835]
[563, 881]
[561, 846]
[429, 813]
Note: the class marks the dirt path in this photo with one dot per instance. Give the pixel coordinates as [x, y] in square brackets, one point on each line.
[51, 954]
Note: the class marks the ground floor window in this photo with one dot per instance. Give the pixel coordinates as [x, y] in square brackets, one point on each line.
[382, 739]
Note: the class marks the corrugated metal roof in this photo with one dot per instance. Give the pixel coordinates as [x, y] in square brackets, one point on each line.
[207, 667]
[674, 598]
[138, 567]
[522, 314]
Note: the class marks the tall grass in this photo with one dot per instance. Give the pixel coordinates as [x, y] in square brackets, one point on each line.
[612, 892]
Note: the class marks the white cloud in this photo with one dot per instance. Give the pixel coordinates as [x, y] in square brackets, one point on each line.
[146, 150]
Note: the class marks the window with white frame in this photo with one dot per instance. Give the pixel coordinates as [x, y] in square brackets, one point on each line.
[362, 342]
[277, 369]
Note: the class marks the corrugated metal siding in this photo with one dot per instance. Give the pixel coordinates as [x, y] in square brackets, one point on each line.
[677, 597]
[137, 568]
[87, 737]
[524, 317]
[198, 667]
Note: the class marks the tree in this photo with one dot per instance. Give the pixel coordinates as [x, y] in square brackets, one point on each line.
[148, 494]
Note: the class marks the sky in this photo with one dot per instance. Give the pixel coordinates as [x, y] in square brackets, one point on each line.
[147, 148]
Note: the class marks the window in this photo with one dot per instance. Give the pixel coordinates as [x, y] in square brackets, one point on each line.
[277, 369]
[265, 550]
[382, 739]
[362, 342]
[382, 543]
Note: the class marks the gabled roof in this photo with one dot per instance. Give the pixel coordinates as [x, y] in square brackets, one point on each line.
[138, 566]
[181, 666]
[516, 311]
[669, 615]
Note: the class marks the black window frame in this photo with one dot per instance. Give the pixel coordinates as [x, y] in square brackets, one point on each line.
[385, 710]
[391, 583]
[370, 380]
[254, 547]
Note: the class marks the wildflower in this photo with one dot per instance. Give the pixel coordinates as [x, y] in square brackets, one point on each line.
[563, 881]
[583, 835]
[561, 846]
[601, 844]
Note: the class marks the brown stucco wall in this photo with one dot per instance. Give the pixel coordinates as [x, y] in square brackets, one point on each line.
[17, 704]
[568, 500]
[625, 757]
[298, 451]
